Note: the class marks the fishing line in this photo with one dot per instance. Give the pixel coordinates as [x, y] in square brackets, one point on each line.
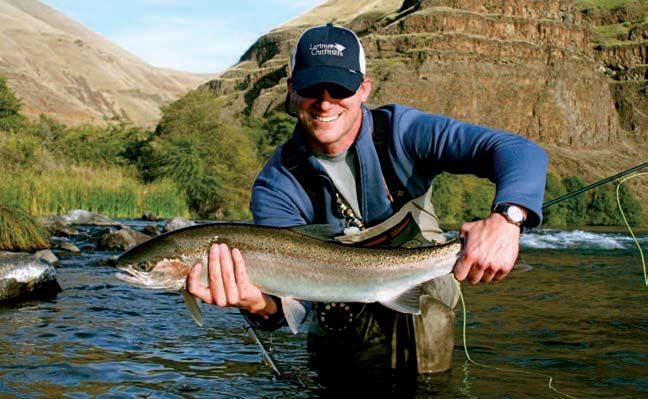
[549, 377]
[465, 344]
[625, 220]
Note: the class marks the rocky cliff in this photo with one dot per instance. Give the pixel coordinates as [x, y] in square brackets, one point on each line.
[621, 44]
[527, 66]
[60, 68]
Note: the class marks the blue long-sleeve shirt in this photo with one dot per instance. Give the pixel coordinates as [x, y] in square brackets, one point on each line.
[420, 147]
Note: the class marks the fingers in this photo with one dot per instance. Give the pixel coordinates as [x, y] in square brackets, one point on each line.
[227, 276]
[229, 279]
[216, 284]
[195, 287]
[475, 266]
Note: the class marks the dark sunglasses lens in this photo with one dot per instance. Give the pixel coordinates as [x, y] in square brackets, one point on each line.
[317, 91]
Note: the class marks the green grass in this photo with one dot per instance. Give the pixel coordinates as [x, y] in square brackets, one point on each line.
[108, 191]
[617, 34]
[19, 231]
[604, 5]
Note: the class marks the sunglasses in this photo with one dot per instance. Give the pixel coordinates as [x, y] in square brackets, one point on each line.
[317, 91]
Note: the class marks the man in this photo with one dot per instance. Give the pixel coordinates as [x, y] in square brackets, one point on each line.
[331, 172]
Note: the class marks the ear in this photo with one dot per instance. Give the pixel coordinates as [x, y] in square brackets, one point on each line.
[365, 89]
[289, 103]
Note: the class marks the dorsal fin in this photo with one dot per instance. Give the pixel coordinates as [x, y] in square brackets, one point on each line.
[322, 232]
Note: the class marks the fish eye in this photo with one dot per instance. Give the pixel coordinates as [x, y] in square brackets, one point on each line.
[142, 266]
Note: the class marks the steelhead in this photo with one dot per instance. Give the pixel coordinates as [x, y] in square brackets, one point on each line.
[292, 265]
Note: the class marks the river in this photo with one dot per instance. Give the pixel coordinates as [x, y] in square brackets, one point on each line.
[579, 315]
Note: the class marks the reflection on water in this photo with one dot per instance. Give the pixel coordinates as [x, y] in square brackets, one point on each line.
[579, 315]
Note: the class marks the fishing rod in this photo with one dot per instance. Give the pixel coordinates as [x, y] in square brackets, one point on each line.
[593, 185]
[267, 359]
[266, 355]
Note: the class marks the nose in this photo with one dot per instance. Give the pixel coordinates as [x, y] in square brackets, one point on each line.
[325, 100]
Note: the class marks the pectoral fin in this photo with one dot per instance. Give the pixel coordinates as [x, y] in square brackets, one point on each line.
[294, 312]
[194, 307]
[407, 302]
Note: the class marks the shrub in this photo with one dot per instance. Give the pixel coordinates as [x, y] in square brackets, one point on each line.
[554, 215]
[575, 207]
[213, 162]
[10, 117]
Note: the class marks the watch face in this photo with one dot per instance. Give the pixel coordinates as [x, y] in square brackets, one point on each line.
[515, 214]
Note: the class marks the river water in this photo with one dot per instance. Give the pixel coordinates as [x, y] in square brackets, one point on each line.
[579, 315]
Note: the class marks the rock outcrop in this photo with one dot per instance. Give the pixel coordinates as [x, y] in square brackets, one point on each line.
[464, 58]
[526, 66]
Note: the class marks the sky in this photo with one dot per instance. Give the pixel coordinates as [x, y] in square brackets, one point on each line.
[203, 36]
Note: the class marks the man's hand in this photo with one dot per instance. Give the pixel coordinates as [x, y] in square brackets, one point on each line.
[490, 249]
[229, 285]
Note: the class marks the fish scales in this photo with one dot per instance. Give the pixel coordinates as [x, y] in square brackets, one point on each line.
[290, 264]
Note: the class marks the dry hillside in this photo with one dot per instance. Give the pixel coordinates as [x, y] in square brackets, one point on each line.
[60, 68]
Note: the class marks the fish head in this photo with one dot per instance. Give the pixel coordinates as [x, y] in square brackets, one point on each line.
[158, 263]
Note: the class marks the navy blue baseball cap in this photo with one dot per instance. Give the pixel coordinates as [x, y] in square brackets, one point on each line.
[328, 54]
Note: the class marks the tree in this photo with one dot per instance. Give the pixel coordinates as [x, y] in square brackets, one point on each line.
[555, 215]
[10, 117]
[214, 162]
[272, 132]
[604, 209]
[576, 207]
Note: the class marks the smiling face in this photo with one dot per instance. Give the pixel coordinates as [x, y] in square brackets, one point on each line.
[332, 125]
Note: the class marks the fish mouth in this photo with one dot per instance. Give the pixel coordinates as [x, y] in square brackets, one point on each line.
[139, 278]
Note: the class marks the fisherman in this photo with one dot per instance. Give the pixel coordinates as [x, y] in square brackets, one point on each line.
[351, 168]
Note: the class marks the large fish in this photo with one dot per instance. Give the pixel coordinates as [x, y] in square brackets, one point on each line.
[292, 265]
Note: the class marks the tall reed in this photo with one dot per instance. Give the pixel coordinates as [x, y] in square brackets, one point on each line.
[109, 191]
[20, 231]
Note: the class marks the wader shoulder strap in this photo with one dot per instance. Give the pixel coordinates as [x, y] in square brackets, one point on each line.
[381, 135]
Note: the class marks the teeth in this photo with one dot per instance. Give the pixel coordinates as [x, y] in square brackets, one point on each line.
[327, 118]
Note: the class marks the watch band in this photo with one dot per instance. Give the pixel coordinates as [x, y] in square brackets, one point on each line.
[512, 213]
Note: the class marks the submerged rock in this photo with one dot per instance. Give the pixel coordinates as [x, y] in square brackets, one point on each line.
[149, 216]
[178, 223]
[122, 240]
[48, 256]
[64, 244]
[152, 230]
[80, 216]
[57, 228]
[24, 276]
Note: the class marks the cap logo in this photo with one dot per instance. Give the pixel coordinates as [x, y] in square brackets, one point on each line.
[327, 49]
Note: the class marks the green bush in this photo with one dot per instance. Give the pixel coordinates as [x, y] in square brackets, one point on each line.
[556, 214]
[99, 145]
[269, 133]
[461, 198]
[446, 195]
[576, 207]
[10, 117]
[603, 209]
[213, 162]
[18, 151]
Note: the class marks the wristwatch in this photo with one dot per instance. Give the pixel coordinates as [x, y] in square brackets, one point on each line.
[512, 213]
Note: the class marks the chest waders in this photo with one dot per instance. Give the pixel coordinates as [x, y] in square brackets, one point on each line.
[370, 333]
